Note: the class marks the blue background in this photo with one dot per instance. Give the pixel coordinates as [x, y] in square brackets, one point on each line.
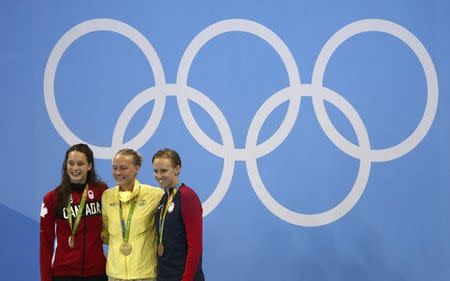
[398, 230]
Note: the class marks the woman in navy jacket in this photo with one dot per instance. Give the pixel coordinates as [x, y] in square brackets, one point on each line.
[178, 221]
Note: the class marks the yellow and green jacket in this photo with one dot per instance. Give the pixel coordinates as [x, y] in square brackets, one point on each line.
[142, 262]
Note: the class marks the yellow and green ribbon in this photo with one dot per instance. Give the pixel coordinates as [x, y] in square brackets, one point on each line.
[74, 227]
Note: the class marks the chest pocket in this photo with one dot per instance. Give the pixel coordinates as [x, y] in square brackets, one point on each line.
[139, 226]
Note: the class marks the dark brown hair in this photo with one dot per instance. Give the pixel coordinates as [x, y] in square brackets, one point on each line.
[64, 188]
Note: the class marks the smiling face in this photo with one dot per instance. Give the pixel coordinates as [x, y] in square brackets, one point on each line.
[77, 167]
[166, 172]
[124, 171]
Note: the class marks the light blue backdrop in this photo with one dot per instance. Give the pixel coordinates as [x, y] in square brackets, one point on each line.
[249, 93]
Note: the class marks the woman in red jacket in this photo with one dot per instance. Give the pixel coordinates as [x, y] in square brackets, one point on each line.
[74, 207]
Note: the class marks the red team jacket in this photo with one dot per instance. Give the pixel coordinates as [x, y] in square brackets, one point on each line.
[87, 258]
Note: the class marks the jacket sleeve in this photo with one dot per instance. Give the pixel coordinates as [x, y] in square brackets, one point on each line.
[105, 233]
[47, 236]
[192, 213]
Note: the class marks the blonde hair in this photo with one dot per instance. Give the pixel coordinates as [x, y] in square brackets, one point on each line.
[137, 157]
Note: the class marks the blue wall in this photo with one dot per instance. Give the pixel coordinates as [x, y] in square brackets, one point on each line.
[316, 133]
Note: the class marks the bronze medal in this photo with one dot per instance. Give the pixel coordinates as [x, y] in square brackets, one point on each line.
[125, 248]
[71, 241]
[160, 249]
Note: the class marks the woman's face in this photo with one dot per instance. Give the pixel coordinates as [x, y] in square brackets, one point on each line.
[124, 171]
[77, 167]
[166, 174]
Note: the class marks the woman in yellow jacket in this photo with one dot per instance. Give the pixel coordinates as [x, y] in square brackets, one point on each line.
[128, 212]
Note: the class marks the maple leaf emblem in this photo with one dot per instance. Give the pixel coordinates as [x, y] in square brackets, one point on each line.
[44, 210]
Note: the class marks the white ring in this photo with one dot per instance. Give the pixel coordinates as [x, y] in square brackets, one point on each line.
[430, 73]
[352, 197]
[202, 100]
[273, 40]
[55, 56]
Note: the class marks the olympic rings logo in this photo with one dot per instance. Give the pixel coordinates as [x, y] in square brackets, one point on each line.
[252, 150]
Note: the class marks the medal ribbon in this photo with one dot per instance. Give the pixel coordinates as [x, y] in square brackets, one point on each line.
[162, 215]
[126, 227]
[74, 227]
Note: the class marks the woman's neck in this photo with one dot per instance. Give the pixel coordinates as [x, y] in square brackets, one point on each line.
[172, 186]
[126, 188]
[77, 186]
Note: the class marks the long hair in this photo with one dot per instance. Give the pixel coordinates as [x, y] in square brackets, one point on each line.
[64, 188]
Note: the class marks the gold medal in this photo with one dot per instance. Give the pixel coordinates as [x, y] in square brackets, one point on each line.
[125, 248]
[160, 249]
[71, 241]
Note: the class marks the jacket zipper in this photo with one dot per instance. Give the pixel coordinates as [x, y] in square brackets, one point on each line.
[84, 246]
